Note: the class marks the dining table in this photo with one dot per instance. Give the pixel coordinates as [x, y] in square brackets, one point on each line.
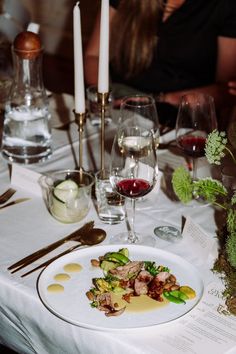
[28, 326]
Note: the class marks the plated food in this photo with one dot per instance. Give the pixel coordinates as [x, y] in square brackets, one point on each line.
[66, 297]
[125, 279]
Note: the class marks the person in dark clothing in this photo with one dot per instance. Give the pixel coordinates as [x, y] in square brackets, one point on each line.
[169, 48]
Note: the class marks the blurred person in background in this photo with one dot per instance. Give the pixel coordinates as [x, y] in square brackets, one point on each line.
[168, 48]
[232, 87]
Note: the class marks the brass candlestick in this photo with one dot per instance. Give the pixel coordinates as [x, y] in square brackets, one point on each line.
[103, 98]
[80, 119]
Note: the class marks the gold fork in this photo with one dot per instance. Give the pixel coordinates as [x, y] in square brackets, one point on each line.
[7, 195]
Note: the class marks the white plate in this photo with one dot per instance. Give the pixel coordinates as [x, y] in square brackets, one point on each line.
[73, 306]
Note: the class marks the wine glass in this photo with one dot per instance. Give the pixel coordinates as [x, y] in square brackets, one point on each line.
[195, 120]
[140, 110]
[133, 174]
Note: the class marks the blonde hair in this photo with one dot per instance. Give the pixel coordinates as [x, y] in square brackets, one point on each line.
[134, 35]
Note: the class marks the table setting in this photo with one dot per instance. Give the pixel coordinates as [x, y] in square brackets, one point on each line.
[66, 285]
[36, 229]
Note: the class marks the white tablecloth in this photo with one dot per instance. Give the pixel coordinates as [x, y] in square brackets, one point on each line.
[25, 324]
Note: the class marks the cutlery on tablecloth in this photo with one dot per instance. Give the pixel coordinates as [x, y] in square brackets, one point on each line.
[16, 201]
[96, 236]
[74, 236]
[7, 195]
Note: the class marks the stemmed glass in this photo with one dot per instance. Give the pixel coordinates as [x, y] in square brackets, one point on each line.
[140, 110]
[133, 173]
[195, 120]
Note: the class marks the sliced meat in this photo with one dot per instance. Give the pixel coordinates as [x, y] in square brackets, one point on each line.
[104, 302]
[140, 288]
[144, 276]
[163, 276]
[128, 271]
[155, 289]
[141, 283]
[127, 284]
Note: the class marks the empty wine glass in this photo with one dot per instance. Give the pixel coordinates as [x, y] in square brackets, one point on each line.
[133, 174]
[195, 120]
[140, 110]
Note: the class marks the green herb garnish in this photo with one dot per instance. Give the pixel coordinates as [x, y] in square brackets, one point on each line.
[153, 269]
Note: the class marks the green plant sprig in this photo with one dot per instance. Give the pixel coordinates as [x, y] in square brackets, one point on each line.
[213, 191]
[186, 189]
[216, 146]
[182, 185]
[231, 221]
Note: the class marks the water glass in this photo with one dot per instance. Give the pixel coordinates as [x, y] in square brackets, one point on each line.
[94, 109]
[110, 204]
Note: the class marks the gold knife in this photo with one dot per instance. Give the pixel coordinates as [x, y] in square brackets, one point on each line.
[43, 251]
[51, 260]
[96, 236]
[16, 201]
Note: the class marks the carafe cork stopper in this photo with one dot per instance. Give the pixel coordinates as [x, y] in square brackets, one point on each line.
[27, 45]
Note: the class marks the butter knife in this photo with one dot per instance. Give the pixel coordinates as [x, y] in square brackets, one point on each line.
[43, 251]
[16, 201]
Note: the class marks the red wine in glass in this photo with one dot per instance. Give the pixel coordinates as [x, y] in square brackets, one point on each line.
[133, 187]
[192, 145]
[195, 120]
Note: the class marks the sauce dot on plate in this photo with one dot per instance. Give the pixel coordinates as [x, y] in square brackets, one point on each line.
[55, 288]
[62, 277]
[72, 267]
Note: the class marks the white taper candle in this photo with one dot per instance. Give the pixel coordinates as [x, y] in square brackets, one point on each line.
[103, 67]
[78, 62]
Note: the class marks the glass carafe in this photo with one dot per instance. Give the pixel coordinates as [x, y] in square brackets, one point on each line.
[26, 129]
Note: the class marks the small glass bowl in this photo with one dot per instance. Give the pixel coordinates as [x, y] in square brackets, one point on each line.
[68, 194]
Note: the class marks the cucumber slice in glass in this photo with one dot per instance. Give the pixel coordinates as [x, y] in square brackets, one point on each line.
[66, 191]
[68, 195]
[65, 201]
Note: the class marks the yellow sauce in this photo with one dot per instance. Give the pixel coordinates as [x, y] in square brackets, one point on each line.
[55, 288]
[141, 303]
[61, 277]
[72, 267]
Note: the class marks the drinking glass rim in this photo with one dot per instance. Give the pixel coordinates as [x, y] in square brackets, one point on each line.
[196, 94]
[125, 99]
[58, 172]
